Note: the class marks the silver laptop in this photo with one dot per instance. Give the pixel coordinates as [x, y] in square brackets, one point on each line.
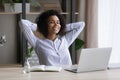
[92, 59]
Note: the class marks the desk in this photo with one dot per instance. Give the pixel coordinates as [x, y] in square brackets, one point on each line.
[16, 74]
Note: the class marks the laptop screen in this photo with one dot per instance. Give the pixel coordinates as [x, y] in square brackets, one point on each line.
[94, 59]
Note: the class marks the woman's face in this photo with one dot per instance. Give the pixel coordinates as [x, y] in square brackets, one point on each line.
[53, 25]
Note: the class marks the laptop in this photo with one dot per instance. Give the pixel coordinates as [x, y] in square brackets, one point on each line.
[92, 59]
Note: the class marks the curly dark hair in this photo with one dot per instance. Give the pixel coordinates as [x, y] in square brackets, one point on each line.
[41, 22]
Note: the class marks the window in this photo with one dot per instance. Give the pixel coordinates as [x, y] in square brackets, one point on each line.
[109, 27]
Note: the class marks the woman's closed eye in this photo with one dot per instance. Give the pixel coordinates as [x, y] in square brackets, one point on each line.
[53, 22]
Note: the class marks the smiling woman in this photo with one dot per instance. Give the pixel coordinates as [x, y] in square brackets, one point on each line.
[53, 27]
[53, 48]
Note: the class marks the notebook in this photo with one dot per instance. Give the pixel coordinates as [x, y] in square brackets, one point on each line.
[92, 59]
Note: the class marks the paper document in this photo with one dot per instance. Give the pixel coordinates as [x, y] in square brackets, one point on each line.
[45, 68]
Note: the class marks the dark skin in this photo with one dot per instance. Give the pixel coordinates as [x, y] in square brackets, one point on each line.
[53, 28]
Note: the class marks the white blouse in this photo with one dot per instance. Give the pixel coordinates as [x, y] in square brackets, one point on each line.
[49, 52]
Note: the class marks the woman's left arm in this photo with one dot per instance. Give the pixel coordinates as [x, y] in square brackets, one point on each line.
[73, 30]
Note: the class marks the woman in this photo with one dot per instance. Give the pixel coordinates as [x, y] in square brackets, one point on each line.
[52, 47]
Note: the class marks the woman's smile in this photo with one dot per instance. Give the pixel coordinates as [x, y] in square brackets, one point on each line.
[53, 25]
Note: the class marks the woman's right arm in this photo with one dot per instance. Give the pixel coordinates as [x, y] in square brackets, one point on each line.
[27, 28]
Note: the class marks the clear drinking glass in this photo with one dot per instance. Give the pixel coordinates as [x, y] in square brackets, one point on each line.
[26, 68]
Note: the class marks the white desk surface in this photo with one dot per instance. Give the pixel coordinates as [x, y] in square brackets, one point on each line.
[15, 73]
